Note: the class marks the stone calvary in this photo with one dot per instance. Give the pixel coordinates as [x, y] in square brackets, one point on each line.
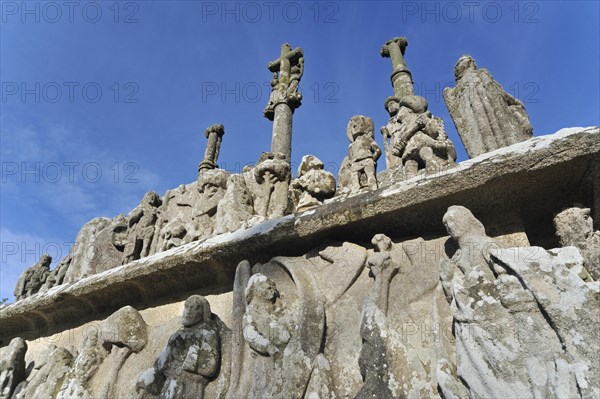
[429, 279]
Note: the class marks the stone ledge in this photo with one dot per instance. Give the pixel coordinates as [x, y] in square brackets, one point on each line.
[516, 188]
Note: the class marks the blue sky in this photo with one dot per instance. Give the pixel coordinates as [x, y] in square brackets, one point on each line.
[103, 101]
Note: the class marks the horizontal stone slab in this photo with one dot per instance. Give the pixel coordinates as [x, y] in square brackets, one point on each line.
[513, 189]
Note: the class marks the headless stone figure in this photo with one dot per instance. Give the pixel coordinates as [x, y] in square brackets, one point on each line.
[313, 184]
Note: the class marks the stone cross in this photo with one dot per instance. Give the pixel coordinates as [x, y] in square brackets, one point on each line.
[214, 134]
[401, 76]
[285, 97]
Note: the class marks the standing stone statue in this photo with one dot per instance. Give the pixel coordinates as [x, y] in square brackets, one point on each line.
[12, 367]
[575, 227]
[33, 278]
[140, 224]
[313, 184]
[358, 171]
[486, 117]
[214, 134]
[191, 359]
[413, 138]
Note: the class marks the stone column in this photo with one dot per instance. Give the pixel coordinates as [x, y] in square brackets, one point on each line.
[401, 76]
[285, 97]
[214, 134]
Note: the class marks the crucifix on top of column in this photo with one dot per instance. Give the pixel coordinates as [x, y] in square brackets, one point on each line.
[285, 97]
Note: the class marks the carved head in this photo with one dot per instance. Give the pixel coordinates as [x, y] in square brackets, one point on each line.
[17, 347]
[460, 222]
[151, 198]
[212, 182]
[195, 310]
[382, 243]
[91, 338]
[573, 225]
[392, 105]
[45, 260]
[360, 125]
[309, 162]
[464, 64]
[262, 288]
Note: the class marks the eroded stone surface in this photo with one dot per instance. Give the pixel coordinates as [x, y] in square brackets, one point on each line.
[486, 117]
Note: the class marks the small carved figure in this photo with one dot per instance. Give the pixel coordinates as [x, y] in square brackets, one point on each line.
[12, 367]
[313, 184]
[273, 175]
[33, 278]
[191, 359]
[384, 268]
[173, 234]
[486, 117]
[413, 138]
[141, 227]
[85, 366]
[211, 186]
[265, 325]
[574, 227]
[363, 153]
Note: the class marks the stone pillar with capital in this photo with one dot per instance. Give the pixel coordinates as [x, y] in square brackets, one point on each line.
[401, 75]
[273, 170]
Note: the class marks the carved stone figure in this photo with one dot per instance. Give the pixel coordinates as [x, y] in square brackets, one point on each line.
[12, 367]
[414, 139]
[570, 309]
[486, 117]
[33, 278]
[214, 134]
[84, 367]
[266, 324]
[574, 227]
[236, 208]
[492, 309]
[273, 175]
[211, 186]
[382, 359]
[123, 333]
[359, 167]
[190, 360]
[141, 227]
[173, 234]
[48, 376]
[313, 184]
